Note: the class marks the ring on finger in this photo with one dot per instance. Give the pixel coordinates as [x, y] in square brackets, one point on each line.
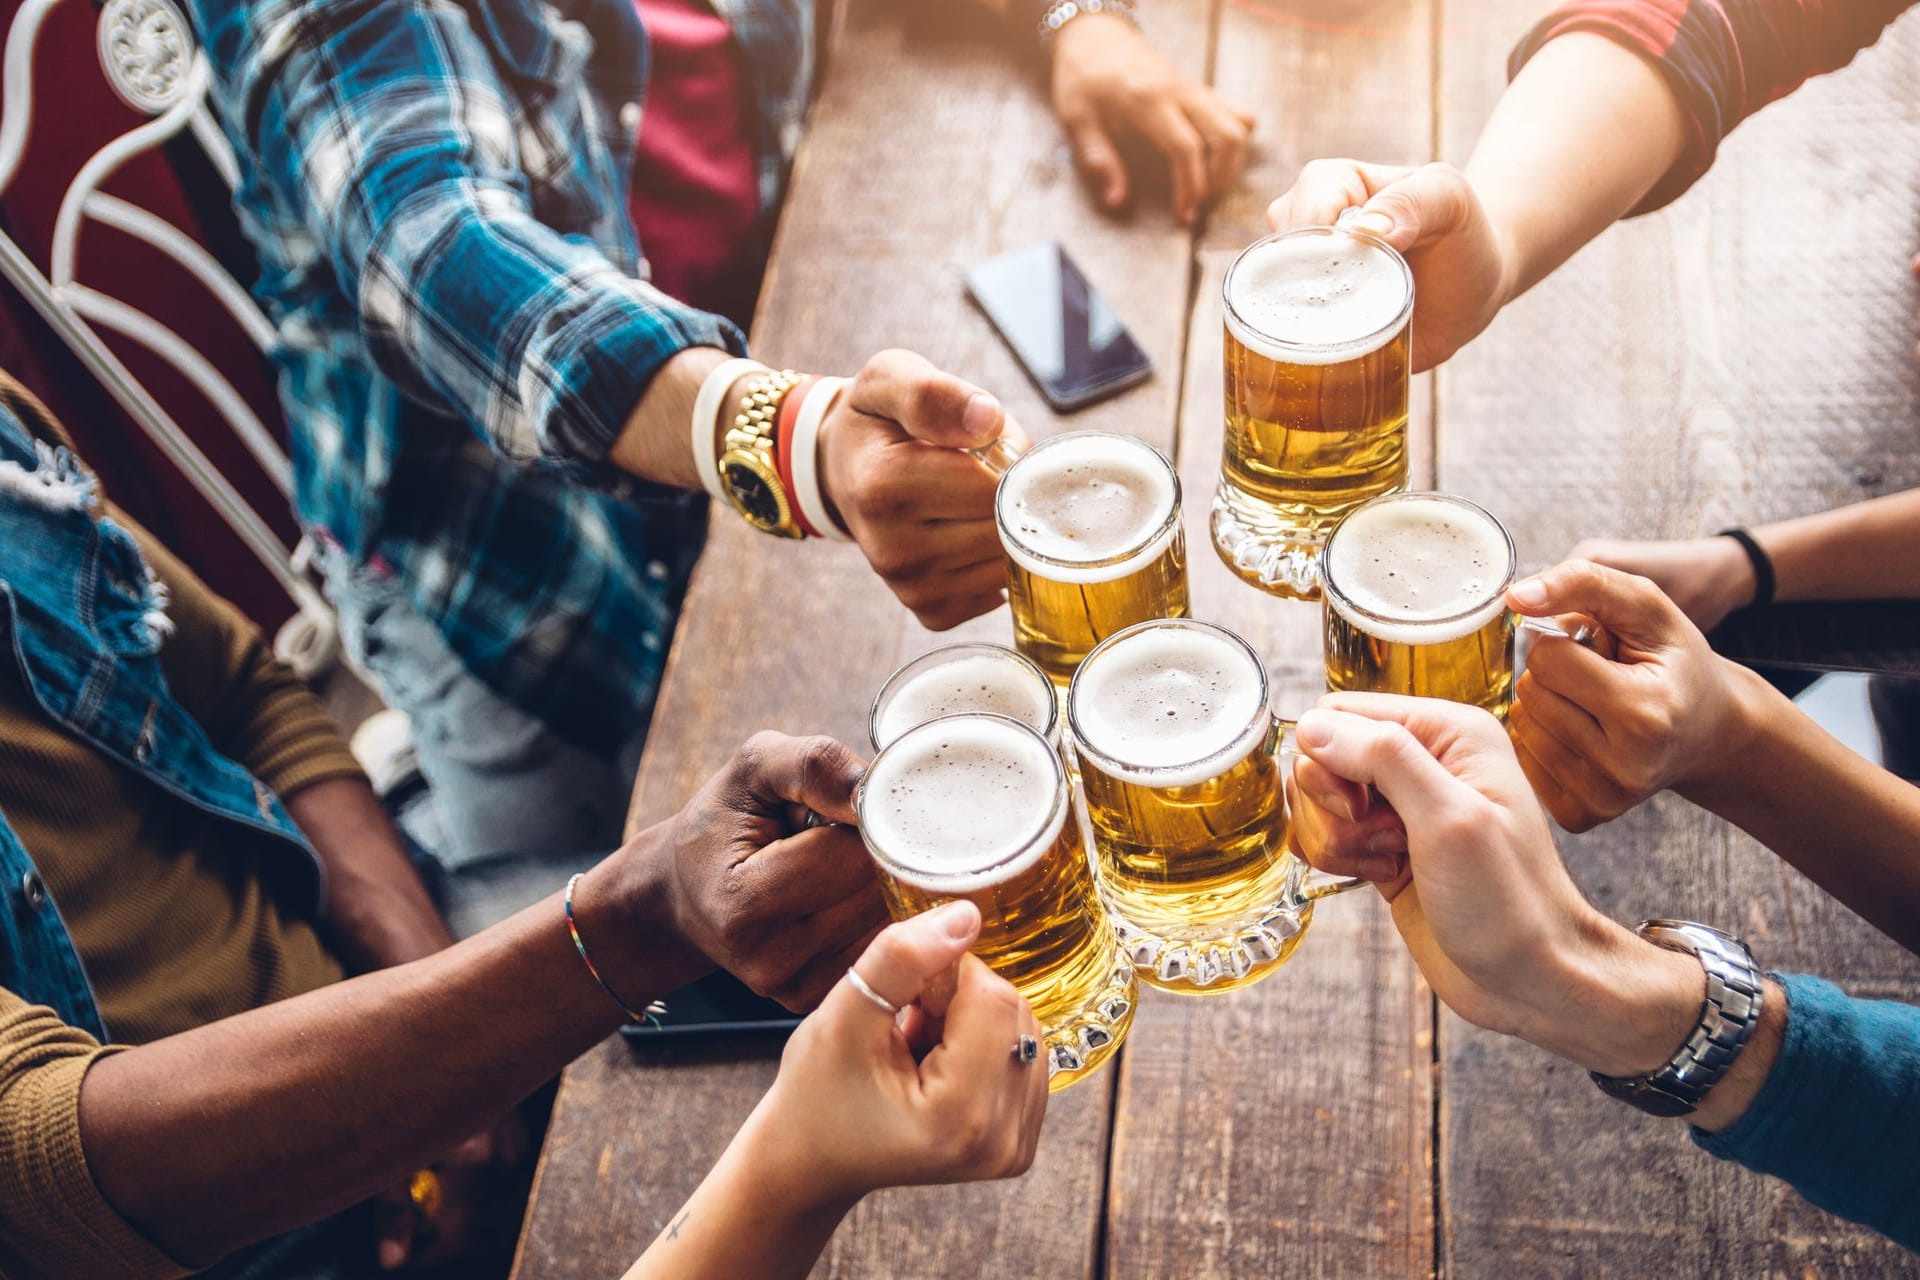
[1026, 1051]
[859, 984]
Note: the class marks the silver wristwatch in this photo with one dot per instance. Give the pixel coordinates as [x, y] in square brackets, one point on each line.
[1727, 1019]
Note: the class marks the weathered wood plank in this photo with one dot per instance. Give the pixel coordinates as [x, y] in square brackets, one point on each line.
[1742, 356]
[1286, 1129]
[926, 152]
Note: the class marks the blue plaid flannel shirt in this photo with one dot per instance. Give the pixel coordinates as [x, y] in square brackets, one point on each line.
[437, 191]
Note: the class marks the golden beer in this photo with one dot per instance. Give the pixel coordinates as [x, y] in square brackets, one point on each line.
[1091, 526]
[1416, 588]
[976, 806]
[1182, 786]
[1319, 339]
[960, 678]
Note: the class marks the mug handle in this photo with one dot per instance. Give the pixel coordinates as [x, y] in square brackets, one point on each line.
[1318, 884]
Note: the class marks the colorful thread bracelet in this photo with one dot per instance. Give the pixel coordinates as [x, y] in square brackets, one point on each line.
[650, 1013]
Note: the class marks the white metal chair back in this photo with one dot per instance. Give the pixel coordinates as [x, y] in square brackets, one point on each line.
[153, 63]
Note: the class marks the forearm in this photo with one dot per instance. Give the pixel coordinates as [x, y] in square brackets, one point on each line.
[378, 912]
[741, 1221]
[249, 1126]
[1580, 136]
[1852, 829]
[1866, 551]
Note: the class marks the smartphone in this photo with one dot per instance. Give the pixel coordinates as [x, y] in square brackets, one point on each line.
[1065, 335]
[715, 1006]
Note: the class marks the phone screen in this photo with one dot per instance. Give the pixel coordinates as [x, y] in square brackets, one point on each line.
[1071, 342]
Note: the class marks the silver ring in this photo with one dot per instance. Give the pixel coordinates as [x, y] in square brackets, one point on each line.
[1026, 1051]
[815, 820]
[859, 984]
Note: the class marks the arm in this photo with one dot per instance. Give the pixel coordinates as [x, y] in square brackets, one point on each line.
[861, 1104]
[1867, 551]
[1616, 107]
[234, 1131]
[262, 715]
[1599, 732]
[1823, 1093]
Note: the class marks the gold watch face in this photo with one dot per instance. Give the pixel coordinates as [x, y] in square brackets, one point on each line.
[753, 487]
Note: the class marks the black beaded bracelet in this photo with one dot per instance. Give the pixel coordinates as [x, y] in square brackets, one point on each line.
[1763, 580]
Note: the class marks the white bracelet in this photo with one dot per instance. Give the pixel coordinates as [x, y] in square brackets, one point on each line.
[706, 419]
[805, 459]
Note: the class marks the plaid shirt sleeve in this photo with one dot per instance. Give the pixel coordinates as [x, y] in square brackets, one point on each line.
[385, 124]
[1724, 59]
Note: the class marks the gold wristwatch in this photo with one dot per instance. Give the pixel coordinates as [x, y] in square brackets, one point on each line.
[748, 474]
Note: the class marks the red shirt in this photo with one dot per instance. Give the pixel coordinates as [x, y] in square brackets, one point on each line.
[695, 201]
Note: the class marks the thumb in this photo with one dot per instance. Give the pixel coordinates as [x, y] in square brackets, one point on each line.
[927, 404]
[907, 957]
[1381, 753]
[1099, 161]
[1629, 607]
[778, 771]
[1419, 208]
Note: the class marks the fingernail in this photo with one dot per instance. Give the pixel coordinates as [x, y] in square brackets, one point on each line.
[1336, 804]
[1390, 842]
[1377, 868]
[1374, 222]
[1315, 729]
[1531, 592]
[956, 920]
[981, 421]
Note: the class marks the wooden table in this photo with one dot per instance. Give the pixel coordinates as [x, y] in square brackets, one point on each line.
[1742, 356]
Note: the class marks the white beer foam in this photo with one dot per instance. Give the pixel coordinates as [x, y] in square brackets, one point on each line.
[1176, 704]
[999, 683]
[1316, 298]
[959, 804]
[1426, 569]
[1075, 501]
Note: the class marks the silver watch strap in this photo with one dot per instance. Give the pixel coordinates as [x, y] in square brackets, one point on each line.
[1728, 1016]
[1060, 14]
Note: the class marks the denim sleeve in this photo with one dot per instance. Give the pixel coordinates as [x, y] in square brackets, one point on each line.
[1839, 1116]
[388, 127]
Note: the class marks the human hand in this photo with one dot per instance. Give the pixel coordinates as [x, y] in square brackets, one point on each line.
[1707, 577]
[1463, 267]
[860, 1104]
[895, 472]
[1109, 81]
[1651, 707]
[1485, 904]
[468, 1207]
[738, 880]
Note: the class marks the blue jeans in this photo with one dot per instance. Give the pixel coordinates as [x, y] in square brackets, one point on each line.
[502, 782]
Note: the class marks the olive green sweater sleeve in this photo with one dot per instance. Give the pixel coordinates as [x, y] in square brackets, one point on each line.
[54, 1223]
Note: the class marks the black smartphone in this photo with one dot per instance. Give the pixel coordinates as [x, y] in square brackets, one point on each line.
[717, 1005]
[1066, 336]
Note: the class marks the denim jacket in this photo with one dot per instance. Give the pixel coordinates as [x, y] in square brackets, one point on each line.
[82, 620]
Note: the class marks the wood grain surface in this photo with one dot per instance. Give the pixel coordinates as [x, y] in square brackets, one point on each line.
[1745, 355]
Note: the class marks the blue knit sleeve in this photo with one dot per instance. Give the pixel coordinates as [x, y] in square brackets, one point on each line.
[1839, 1116]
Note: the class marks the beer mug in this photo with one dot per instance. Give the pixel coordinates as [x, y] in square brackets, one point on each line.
[961, 678]
[976, 806]
[1091, 526]
[1181, 780]
[1416, 587]
[1319, 340]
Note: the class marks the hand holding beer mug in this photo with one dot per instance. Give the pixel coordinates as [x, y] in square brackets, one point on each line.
[977, 807]
[1091, 526]
[1415, 601]
[1600, 731]
[1179, 767]
[1318, 333]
